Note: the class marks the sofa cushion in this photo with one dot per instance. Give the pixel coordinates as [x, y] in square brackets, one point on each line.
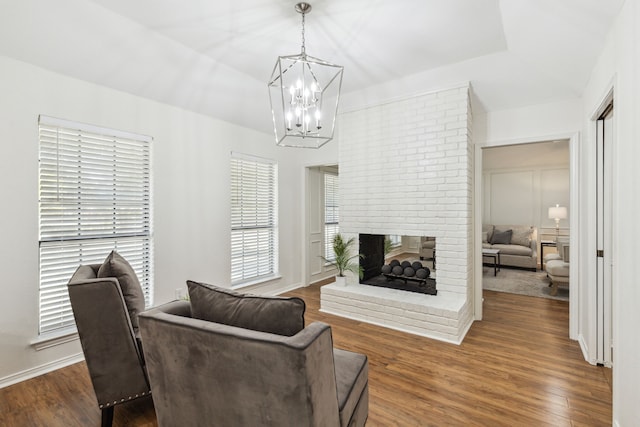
[275, 315]
[351, 381]
[513, 250]
[558, 268]
[501, 237]
[521, 236]
[116, 266]
[552, 256]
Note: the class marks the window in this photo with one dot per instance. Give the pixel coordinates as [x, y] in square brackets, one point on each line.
[94, 196]
[396, 240]
[254, 216]
[331, 213]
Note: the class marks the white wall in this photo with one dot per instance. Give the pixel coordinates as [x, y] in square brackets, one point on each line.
[619, 65]
[190, 198]
[532, 123]
[523, 196]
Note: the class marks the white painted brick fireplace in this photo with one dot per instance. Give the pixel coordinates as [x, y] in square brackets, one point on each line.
[406, 168]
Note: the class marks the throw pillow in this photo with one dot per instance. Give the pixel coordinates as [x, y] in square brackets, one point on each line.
[489, 229]
[484, 237]
[116, 266]
[275, 315]
[501, 238]
[522, 236]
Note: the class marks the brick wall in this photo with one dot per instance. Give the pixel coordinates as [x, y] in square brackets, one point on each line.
[406, 167]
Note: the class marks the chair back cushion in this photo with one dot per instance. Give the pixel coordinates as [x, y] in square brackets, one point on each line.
[116, 266]
[275, 315]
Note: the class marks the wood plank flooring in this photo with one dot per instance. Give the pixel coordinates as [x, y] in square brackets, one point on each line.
[517, 367]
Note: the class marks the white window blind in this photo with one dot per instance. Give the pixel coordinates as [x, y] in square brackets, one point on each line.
[331, 213]
[94, 196]
[253, 218]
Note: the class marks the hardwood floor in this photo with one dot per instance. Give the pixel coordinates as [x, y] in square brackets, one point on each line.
[517, 367]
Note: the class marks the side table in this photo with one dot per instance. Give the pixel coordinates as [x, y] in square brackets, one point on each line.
[495, 254]
[545, 244]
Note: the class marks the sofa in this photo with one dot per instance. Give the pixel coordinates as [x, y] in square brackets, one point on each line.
[517, 244]
[230, 359]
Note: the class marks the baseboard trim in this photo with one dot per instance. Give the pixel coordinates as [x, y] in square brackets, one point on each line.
[585, 350]
[289, 288]
[465, 330]
[27, 374]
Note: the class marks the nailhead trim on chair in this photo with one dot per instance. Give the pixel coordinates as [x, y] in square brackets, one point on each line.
[115, 402]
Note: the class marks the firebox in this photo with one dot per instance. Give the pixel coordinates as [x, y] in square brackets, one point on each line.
[399, 262]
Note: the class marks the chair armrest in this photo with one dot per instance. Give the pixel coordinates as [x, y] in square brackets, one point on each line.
[179, 308]
[534, 248]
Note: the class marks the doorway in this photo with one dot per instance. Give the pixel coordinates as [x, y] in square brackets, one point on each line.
[575, 171]
[521, 184]
[322, 222]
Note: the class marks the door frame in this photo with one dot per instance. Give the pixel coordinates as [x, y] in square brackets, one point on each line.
[574, 196]
[602, 300]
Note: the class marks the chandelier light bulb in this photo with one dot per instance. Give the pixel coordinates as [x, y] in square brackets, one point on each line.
[289, 117]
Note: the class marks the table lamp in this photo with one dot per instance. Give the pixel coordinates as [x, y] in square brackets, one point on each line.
[557, 212]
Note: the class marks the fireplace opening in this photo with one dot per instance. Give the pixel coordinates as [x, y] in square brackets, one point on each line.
[407, 263]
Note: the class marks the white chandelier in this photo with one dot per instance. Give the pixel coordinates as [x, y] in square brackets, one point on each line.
[304, 92]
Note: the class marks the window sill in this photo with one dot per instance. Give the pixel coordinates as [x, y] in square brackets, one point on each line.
[254, 282]
[54, 339]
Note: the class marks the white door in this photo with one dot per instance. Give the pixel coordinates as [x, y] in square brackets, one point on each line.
[604, 255]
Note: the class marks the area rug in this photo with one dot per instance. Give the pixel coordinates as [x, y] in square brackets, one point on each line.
[522, 282]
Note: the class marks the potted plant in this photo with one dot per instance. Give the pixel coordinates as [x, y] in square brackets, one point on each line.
[343, 260]
[388, 245]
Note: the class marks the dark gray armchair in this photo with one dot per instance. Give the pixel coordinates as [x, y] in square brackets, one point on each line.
[205, 373]
[111, 349]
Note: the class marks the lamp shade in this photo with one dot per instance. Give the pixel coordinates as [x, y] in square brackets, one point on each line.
[557, 212]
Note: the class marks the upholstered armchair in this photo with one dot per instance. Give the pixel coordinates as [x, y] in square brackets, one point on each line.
[428, 248]
[111, 350]
[558, 267]
[209, 373]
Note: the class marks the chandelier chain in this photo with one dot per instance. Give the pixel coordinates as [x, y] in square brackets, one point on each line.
[303, 47]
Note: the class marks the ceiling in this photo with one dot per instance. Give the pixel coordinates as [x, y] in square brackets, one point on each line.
[215, 57]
